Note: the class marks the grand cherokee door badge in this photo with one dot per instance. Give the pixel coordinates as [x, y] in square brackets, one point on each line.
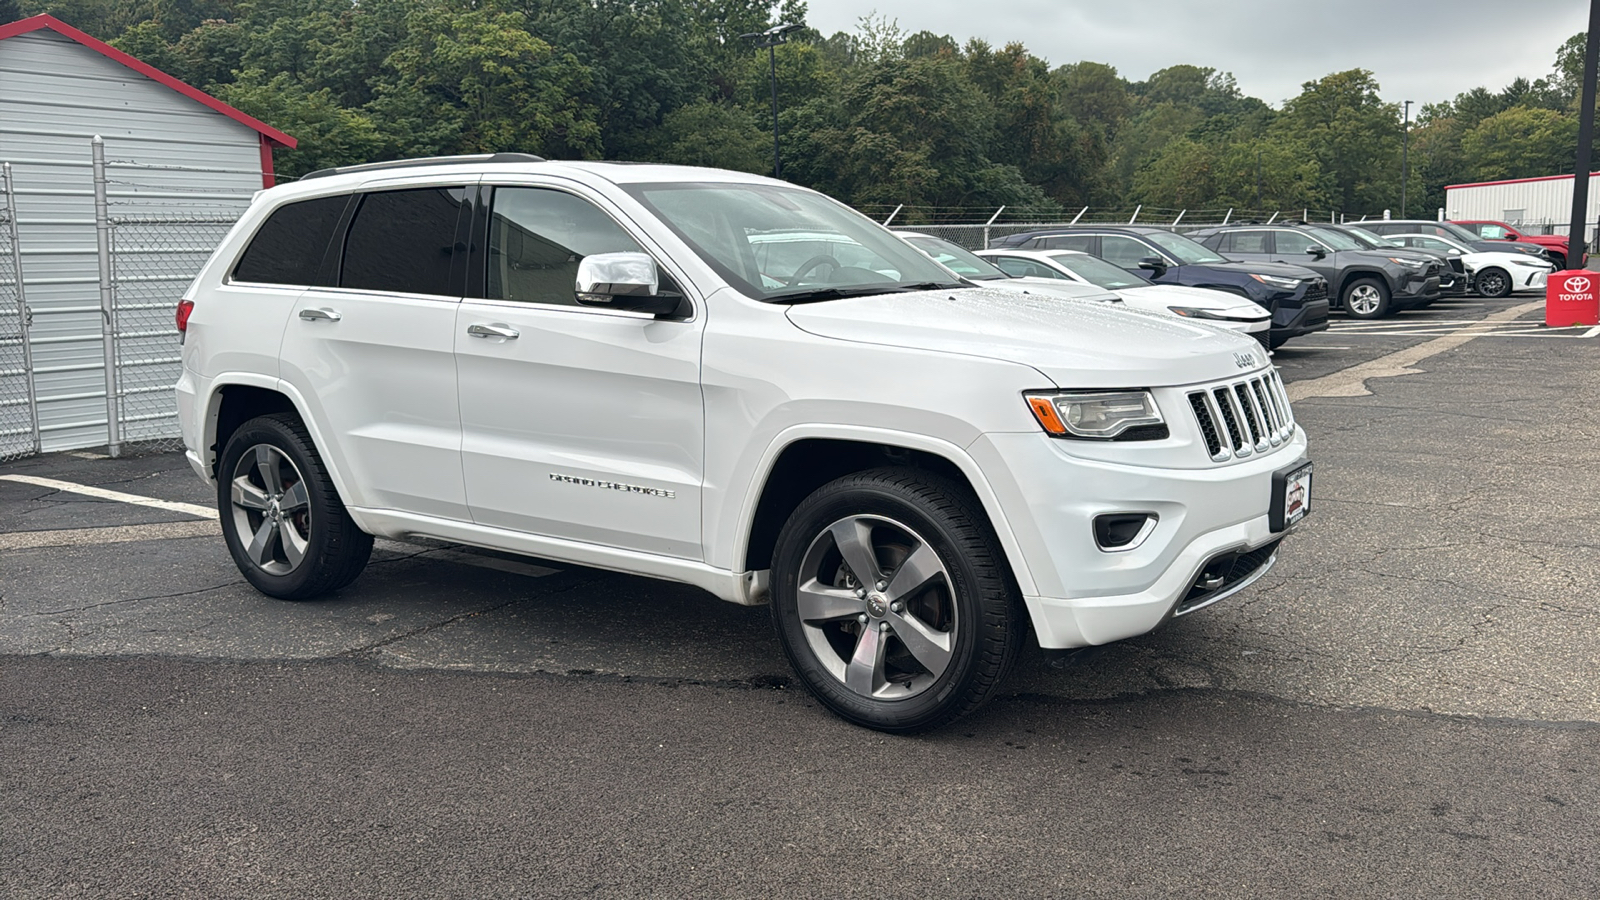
[614, 486]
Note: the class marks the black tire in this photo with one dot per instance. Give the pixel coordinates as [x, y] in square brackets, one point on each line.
[1365, 298]
[1559, 259]
[973, 594]
[1494, 283]
[312, 547]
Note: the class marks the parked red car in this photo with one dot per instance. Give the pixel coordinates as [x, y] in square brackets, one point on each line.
[1554, 244]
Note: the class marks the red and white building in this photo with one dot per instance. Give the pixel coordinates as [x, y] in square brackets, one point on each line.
[172, 151]
[1530, 204]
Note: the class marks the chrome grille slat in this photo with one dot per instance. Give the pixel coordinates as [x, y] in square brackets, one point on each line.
[1222, 396]
[1238, 418]
[1253, 415]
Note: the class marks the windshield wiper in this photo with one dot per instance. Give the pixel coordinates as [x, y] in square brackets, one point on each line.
[868, 290]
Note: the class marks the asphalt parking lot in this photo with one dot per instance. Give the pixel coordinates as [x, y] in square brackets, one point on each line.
[1408, 705]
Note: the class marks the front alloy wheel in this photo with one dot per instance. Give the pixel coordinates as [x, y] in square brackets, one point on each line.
[892, 600]
[875, 603]
[1494, 283]
[1365, 300]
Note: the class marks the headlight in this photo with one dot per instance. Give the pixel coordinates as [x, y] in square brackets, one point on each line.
[1408, 263]
[1100, 415]
[1287, 284]
[1531, 262]
[1190, 312]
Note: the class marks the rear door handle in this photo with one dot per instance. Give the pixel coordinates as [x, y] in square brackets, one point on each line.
[493, 331]
[311, 315]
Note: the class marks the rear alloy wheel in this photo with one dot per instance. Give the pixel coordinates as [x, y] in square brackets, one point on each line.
[1366, 298]
[282, 518]
[1494, 283]
[892, 602]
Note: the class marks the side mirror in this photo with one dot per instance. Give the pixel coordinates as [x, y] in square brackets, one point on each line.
[1155, 264]
[1316, 252]
[626, 281]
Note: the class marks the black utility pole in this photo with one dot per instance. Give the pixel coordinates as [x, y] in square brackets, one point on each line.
[1258, 179]
[1405, 156]
[1577, 236]
[770, 39]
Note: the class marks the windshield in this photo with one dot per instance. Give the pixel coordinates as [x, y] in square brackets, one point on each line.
[1184, 250]
[1458, 232]
[1098, 272]
[1338, 240]
[787, 244]
[957, 259]
[1371, 240]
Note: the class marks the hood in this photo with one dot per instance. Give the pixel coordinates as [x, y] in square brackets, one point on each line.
[1052, 287]
[1158, 297]
[1282, 270]
[1077, 345]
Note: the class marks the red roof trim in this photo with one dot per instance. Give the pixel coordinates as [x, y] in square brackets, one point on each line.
[35, 23]
[1450, 187]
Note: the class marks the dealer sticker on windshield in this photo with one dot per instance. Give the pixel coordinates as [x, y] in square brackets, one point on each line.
[1291, 496]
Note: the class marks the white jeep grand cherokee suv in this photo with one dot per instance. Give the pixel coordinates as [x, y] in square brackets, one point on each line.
[627, 367]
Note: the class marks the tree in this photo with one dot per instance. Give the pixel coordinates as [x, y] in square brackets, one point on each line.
[719, 135]
[1353, 134]
[477, 81]
[1521, 142]
[328, 134]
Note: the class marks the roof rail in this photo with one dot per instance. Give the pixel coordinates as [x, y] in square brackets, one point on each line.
[427, 161]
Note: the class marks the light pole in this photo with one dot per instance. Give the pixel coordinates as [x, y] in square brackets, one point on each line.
[1578, 231]
[770, 39]
[1405, 155]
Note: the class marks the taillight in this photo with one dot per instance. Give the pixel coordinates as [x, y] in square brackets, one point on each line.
[185, 307]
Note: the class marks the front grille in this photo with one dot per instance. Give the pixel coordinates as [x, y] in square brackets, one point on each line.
[1238, 418]
[1317, 290]
[1432, 271]
[1232, 567]
[1457, 266]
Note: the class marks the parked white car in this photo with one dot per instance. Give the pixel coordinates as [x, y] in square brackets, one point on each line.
[595, 363]
[1491, 273]
[964, 263]
[1219, 308]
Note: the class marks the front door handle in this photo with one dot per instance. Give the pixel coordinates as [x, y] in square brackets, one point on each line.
[493, 331]
[311, 315]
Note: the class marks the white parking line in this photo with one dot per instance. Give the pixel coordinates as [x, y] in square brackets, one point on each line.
[24, 540]
[204, 512]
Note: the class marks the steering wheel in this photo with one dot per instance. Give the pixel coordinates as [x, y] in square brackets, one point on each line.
[808, 265]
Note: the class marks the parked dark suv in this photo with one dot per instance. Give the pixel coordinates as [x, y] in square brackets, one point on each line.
[1296, 296]
[1366, 284]
[1453, 280]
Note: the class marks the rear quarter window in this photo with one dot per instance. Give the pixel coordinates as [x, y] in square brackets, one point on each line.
[289, 247]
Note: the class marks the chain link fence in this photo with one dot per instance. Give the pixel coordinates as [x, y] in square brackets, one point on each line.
[153, 259]
[19, 424]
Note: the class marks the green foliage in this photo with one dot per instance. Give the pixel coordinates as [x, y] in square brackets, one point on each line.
[880, 116]
[1521, 140]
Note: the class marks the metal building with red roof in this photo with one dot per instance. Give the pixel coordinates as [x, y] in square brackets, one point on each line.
[172, 152]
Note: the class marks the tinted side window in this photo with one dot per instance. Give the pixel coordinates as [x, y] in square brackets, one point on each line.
[1293, 243]
[1249, 242]
[1124, 251]
[401, 241]
[1221, 243]
[536, 238]
[289, 247]
[1084, 242]
[1018, 267]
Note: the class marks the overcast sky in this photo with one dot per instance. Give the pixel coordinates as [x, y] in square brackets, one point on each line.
[1422, 50]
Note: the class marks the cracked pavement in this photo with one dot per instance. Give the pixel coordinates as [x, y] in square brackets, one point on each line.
[1407, 705]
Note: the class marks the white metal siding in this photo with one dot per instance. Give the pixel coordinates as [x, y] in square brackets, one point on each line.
[55, 95]
[1540, 201]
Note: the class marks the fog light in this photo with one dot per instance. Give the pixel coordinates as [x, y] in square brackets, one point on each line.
[1123, 531]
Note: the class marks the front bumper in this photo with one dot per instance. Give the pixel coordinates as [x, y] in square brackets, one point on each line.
[1413, 291]
[1523, 278]
[1087, 595]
